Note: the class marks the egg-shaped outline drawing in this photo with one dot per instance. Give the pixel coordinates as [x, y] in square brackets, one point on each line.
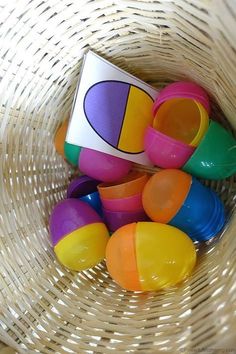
[124, 113]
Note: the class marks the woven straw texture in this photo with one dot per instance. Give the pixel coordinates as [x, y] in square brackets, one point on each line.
[45, 308]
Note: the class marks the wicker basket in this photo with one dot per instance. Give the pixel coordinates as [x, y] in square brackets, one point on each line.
[44, 307]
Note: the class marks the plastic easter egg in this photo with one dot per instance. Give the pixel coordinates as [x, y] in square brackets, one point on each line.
[165, 151]
[115, 219]
[177, 198]
[103, 167]
[81, 186]
[78, 235]
[148, 256]
[69, 151]
[60, 136]
[164, 194]
[132, 203]
[215, 157]
[72, 153]
[182, 89]
[128, 186]
[128, 107]
[93, 199]
[85, 188]
[182, 119]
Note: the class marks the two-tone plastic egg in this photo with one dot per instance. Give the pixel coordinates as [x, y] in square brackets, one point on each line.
[78, 234]
[148, 256]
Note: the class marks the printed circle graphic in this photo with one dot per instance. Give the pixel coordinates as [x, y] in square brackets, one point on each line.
[119, 113]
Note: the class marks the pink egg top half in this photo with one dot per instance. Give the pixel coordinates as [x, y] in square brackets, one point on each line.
[182, 89]
[102, 166]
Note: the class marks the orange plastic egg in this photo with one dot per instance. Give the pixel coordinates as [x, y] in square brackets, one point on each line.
[60, 137]
[164, 194]
[148, 256]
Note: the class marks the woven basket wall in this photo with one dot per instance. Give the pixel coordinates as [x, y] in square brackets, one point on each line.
[45, 308]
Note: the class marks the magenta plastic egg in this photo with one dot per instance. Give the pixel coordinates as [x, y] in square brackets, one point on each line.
[103, 167]
[182, 89]
[78, 234]
[165, 151]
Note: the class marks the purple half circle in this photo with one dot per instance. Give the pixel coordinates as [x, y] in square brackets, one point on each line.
[105, 106]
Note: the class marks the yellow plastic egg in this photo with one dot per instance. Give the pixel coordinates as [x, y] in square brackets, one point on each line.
[147, 256]
[78, 234]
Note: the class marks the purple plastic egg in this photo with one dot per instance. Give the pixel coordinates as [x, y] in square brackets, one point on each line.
[81, 186]
[70, 215]
[116, 219]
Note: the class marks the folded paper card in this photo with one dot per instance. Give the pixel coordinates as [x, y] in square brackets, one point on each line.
[111, 110]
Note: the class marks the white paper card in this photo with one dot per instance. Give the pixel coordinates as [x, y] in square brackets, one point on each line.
[111, 110]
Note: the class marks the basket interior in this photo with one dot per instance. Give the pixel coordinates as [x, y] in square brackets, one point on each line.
[44, 307]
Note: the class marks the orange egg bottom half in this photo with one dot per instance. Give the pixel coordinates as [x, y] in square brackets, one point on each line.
[60, 138]
[148, 256]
